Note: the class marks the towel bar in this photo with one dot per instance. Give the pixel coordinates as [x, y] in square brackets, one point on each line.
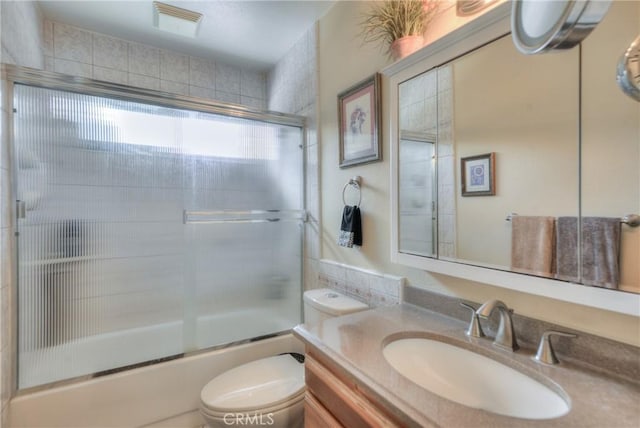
[355, 182]
[243, 216]
[631, 220]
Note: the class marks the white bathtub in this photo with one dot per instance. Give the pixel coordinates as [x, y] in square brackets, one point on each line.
[160, 395]
[98, 353]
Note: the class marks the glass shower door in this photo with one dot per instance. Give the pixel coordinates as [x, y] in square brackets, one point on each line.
[119, 262]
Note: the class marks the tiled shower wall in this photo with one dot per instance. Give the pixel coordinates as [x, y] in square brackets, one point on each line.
[74, 51]
[292, 88]
[446, 166]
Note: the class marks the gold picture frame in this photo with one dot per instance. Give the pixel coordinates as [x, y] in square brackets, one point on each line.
[359, 123]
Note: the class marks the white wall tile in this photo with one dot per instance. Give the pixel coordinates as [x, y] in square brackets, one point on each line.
[312, 239]
[21, 38]
[110, 75]
[6, 56]
[146, 82]
[202, 72]
[144, 60]
[252, 84]
[72, 68]
[227, 79]
[47, 38]
[174, 67]
[6, 317]
[255, 103]
[49, 63]
[358, 284]
[228, 97]
[6, 239]
[174, 87]
[110, 52]
[72, 43]
[373, 288]
[196, 91]
[5, 154]
[5, 198]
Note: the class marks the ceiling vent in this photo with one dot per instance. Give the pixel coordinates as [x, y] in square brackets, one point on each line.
[175, 19]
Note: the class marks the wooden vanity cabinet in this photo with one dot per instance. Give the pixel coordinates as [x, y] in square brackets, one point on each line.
[332, 401]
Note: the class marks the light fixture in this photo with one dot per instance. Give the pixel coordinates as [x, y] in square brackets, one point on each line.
[539, 26]
[175, 19]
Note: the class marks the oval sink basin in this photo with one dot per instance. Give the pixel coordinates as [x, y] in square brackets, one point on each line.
[471, 379]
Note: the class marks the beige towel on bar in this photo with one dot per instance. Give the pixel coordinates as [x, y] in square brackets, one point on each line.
[533, 245]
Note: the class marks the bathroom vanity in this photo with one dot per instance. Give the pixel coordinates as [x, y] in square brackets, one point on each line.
[350, 383]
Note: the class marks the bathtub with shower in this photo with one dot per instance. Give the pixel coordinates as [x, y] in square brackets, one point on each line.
[154, 231]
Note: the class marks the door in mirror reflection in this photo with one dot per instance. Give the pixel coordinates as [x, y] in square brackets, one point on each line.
[417, 212]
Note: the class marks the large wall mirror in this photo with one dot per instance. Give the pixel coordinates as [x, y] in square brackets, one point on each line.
[551, 136]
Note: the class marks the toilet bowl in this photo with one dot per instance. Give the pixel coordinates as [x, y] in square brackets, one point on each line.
[265, 392]
[270, 391]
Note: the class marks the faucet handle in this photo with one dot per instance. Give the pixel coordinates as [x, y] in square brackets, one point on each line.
[545, 352]
[474, 330]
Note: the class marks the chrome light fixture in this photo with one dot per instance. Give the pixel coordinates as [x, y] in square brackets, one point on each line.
[539, 26]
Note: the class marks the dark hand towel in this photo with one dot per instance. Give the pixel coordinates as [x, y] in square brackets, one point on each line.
[567, 249]
[600, 250]
[351, 227]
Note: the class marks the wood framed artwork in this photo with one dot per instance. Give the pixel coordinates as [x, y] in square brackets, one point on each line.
[359, 123]
[478, 175]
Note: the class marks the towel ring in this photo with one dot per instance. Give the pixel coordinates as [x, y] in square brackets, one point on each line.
[355, 182]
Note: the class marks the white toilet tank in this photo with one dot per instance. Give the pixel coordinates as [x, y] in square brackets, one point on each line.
[326, 303]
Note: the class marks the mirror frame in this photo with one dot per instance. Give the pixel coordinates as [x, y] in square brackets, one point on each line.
[486, 28]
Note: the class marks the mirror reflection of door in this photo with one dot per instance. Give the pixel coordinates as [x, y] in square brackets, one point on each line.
[417, 190]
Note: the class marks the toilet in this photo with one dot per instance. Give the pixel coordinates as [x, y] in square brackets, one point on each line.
[270, 391]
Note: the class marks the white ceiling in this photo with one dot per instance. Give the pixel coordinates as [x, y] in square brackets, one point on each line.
[248, 33]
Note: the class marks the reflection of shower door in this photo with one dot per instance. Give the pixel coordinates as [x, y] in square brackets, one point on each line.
[142, 236]
[417, 195]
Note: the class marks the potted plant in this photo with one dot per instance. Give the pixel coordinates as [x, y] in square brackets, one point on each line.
[398, 24]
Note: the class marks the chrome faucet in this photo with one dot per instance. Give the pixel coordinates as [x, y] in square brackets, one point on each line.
[474, 330]
[545, 352]
[505, 337]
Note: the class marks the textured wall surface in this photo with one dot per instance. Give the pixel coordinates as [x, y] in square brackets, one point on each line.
[75, 51]
[292, 88]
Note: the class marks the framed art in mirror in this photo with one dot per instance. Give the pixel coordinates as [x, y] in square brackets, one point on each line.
[478, 175]
[359, 122]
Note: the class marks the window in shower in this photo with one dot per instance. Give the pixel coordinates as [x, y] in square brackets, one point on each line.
[149, 231]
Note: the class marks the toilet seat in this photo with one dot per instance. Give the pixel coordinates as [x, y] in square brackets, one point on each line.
[264, 385]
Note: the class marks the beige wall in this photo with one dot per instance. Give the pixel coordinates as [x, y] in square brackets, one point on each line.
[531, 124]
[343, 61]
[611, 132]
